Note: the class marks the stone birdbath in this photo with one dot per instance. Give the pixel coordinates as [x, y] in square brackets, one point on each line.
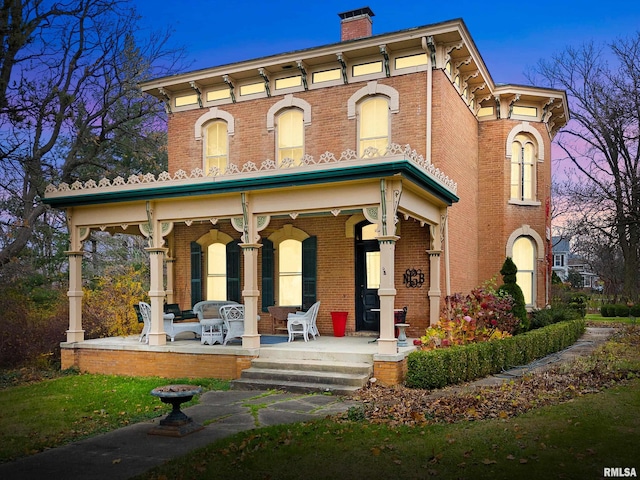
[176, 424]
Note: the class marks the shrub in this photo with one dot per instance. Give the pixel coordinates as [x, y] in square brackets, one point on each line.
[621, 310]
[510, 287]
[634, 311]
[607, 311]
[554, 314]
[441, 367]
[577, 304]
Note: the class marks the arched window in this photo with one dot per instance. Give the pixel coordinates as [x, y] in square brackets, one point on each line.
[290, 273]
[217, 271]
[523, 168]
[373, 125]
[216, 146]
[524, 256]
[215, 268]
[289, 268]
[290, 135]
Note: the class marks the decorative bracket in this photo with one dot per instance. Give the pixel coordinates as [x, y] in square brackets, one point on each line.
[431, 45]
[385, 56]
[196, 88]
[166, 99]
[229, 81]
[267, 87]
[303, 72]
[343, 66]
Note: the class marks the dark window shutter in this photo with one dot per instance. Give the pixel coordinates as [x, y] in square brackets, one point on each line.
[309, 267]
[233, 272]
[267, 274]
[196, 273]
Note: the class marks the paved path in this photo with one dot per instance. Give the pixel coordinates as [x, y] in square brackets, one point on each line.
[131, 451]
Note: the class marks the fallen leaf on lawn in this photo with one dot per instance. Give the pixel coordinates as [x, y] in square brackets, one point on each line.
[116, 460]
[510, 457]
[523, 460]
[488, 461]
[375, 451]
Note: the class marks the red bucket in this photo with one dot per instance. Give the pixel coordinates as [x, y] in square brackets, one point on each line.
[339, 320]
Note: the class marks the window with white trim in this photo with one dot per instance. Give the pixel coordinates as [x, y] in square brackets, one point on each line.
[217, 271]
[373, 125]
[216, 146]
[524, 256]
[290, 134]
[523, 168]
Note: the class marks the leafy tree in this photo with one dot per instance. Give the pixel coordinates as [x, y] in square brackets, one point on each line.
[575, 279]
[70, 109]
[601, 145]
[508, 272]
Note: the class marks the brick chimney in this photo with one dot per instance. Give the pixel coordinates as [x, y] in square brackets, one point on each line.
[355, 24]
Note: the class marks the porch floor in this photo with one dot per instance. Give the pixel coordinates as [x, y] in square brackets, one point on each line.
[326, 348]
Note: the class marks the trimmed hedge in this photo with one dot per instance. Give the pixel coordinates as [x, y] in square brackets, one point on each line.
[446, 366]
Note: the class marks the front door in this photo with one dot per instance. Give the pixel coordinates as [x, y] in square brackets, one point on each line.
[367, 257]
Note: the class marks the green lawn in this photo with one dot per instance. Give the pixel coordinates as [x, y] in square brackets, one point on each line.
[574, 440]
[596, 317]
[56, 411]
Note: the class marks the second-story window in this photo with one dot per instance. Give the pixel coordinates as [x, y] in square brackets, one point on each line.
[216, 146]
[523, 174]
[290, 135]
[373, 127]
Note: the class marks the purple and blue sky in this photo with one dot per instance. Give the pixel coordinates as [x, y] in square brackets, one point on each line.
[510, 35]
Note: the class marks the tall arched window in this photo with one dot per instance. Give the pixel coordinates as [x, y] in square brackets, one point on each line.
[216, 146]
[523, 168]
[217, 271]
[373, 125]
[290, 135]
[290, 272]
[524, 256]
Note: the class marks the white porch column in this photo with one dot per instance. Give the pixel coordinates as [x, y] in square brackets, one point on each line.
[75, 294]
[387, 343]
[250, 293]
[434, 286]
[156, 296]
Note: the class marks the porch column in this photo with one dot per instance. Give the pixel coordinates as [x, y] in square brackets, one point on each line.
[387, 343]
[156, 296]
[75, 293]
[434, 286]
[250, 293]
[170, 280]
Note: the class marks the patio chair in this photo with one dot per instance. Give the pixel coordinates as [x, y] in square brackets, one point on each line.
[303, 323]
[143, 311]
[233, 317]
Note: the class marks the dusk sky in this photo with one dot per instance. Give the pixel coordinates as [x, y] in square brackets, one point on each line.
[510, 35]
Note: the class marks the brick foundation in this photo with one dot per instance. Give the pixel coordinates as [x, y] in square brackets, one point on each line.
[152, 364]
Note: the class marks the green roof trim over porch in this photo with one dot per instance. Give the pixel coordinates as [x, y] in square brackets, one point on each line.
[147, 187]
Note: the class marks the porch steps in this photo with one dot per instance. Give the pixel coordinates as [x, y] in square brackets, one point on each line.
[304, 376]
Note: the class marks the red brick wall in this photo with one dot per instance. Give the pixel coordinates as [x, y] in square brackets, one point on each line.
[335, 268]
[330, 129]
[499, 219]
[357, 28]
[149, 364]
[455, 151]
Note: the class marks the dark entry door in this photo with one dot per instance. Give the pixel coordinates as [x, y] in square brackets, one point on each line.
[367, 257]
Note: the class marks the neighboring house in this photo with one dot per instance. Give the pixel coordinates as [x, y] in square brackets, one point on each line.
[564, 262]
[370, 174]
[561, 253]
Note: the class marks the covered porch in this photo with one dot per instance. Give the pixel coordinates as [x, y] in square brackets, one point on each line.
[172, 212]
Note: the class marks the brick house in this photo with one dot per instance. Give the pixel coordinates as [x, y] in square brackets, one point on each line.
[377, 172]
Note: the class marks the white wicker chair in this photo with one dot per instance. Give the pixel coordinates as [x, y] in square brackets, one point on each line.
[233, 317]
[303, 323]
